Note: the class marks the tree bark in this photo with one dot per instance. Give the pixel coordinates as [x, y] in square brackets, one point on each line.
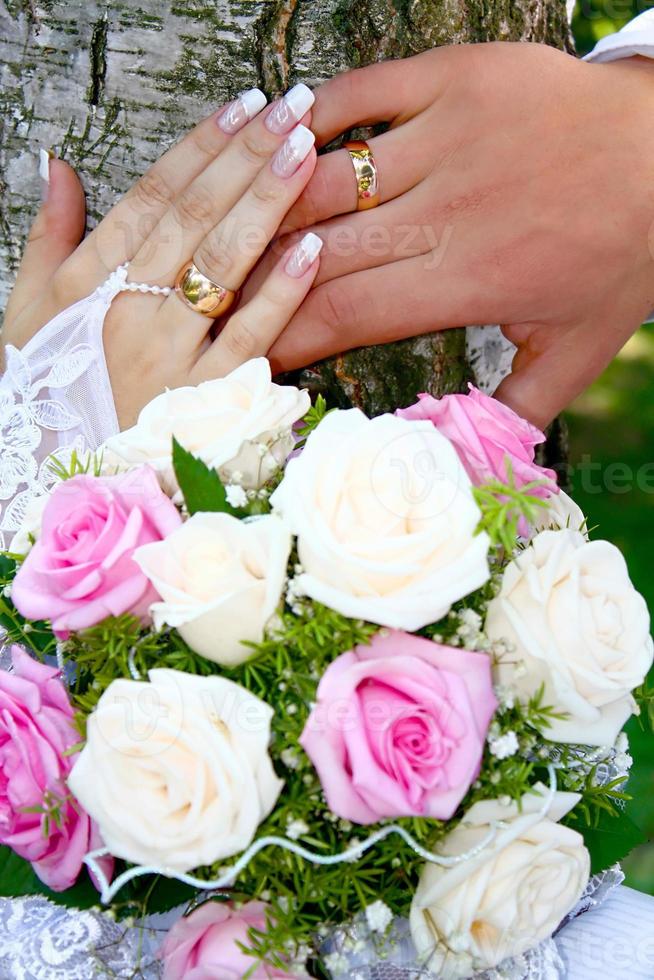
[110, 85]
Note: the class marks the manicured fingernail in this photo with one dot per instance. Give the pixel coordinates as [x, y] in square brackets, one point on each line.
[291, 154]
[44, 171]
[303, 256]
[289, 110]
[239, 112]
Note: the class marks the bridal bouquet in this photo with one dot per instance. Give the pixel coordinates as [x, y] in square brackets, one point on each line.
[314, 675]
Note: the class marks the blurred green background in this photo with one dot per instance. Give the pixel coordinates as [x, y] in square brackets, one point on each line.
[611, 453]
[594, 19]
[612, 425]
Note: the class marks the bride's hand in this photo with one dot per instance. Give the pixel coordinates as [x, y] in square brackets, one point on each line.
[216, 198]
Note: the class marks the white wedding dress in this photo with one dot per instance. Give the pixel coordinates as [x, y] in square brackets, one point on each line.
[55, 397]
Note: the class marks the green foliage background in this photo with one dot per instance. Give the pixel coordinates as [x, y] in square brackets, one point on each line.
[594, 19]
[613, 423]
[612, 455]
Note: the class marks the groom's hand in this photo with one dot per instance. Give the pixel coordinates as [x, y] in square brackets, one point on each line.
[517, 187]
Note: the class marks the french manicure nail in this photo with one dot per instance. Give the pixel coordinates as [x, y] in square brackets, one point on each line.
[44, 171]
[289, 110]
[303, 255]
[239, 112]
[291, 154]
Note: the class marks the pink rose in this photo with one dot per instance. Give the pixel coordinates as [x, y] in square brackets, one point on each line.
[484, 432]
[399, 728]
[204, 945]
[36, 729]
[81, 571]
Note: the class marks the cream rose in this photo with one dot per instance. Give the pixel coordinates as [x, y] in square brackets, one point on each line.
[579, 628]
[220, 581]
[507, 898]
[176, 770]
[385, 520]
[225, 422]
[30, 526]
[561, 512]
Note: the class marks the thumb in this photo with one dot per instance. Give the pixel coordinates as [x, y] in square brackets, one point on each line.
[554, 364]
[55, 233]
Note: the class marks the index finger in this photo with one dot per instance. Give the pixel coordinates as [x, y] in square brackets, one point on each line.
[389, 91]
[129, 223]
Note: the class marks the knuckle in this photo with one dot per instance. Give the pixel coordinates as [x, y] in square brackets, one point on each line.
[215, 259]
[352, 85]
[203, 141]
[276, 303]
[470, 202]
[239, 339]
[254, 150]
[336, 307]
[316, 194]
[265, 193]
[39, 229]
[153, 190]
[192, 208]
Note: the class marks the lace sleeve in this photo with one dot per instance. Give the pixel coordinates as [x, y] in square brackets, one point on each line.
[55, 396]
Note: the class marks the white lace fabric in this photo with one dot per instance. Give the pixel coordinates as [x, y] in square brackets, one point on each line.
[43, 941]
[55, 396]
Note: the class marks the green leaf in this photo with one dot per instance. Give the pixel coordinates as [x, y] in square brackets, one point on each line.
[7, 567]
[148, 894]
[502, 506]
[611, 839]
[201, 486]
[17, 878]
[159, 894]
[313, 418]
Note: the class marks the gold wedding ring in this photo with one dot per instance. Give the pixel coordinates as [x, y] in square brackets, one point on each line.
[201, 294]
[365, 170]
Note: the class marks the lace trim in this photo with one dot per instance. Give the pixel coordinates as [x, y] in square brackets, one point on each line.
[44, 941]
[56, 398]
[25, 412]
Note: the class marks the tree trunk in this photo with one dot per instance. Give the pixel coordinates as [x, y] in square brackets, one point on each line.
[110, 85]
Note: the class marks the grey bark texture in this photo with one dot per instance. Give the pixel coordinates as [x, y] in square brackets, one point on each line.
[111, 85]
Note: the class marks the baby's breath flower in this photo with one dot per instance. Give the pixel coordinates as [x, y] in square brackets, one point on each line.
[296, 829]
[289, 757]
[504, 746]
[378, 916]
[506, 697]
[336, 963]
[236, 495]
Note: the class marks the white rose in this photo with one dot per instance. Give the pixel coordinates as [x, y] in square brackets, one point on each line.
[224, 422]
[385, 520]
[176, 771]
[508, 897]
[220, 580]
[580, 629]
[30, 527]
[561, 512]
